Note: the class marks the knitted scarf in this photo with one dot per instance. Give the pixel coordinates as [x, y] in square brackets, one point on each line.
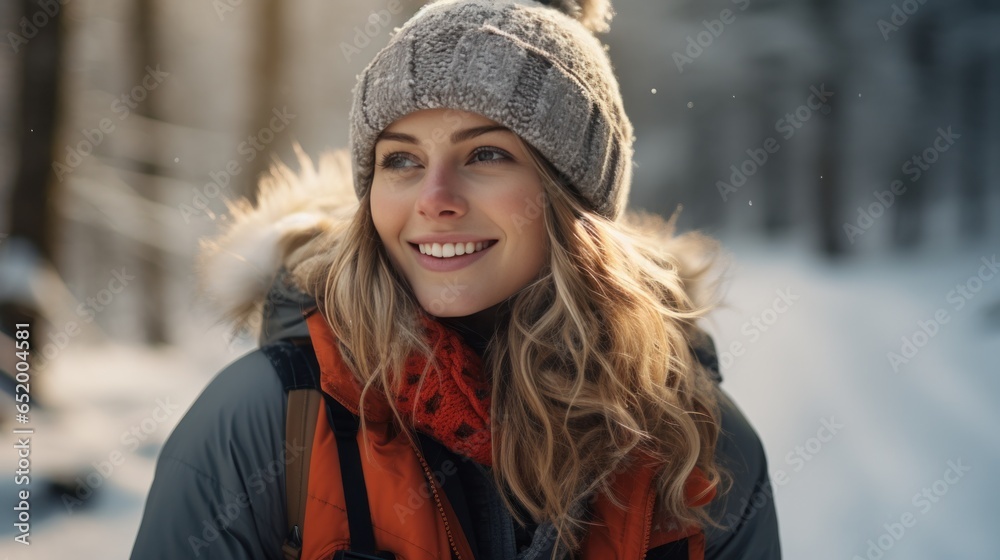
[450, 403]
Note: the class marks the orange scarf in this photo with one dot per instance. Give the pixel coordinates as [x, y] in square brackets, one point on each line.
[452, 406]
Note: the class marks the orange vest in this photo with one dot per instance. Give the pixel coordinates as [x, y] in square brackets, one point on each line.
[411, 515]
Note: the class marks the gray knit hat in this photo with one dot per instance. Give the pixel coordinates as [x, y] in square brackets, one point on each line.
[536, 69]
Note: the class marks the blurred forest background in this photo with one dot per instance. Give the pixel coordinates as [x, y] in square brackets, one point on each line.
[844, 150]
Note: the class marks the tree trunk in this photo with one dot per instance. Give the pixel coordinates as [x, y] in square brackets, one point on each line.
[32, 209]
[908, 230]
[974, 150]
[267, 73]
[152, 267]
[829, 179]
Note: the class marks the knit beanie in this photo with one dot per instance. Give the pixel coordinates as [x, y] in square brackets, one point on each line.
[537, 69]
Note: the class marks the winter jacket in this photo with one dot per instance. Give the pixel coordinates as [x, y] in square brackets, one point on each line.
[219, 485]
[219, 492]
[417, 512]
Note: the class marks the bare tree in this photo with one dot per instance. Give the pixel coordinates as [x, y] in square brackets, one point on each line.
[975, 150]
[832, 133]
[152, 265]
[32, 215]
[267, 74]
[908, 225]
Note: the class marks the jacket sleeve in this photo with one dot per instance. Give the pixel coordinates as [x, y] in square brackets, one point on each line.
[746, 514]
[218, 491]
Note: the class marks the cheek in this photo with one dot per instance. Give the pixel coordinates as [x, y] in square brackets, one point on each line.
[523, 215]
[537, 242]
[522, 202]
[386, 216]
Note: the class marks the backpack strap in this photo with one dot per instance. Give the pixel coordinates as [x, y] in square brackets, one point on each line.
[300, 381]
[295, 362]
[300, 428]
[345, 427]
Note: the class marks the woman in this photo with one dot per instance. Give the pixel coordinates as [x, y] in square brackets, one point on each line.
[520, 357]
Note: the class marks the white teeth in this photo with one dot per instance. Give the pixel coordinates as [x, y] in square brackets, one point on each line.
[447, 250]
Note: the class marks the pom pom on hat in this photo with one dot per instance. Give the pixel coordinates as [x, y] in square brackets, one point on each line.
[595, 15]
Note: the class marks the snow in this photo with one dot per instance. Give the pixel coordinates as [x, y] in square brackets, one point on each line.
[820, 362]
[826, 358]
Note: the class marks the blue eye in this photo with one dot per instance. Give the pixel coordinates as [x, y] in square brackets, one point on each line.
[398, 161]
[490, 151]
[394, 160]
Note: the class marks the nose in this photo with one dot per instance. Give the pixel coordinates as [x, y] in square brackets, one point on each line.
[441, 195]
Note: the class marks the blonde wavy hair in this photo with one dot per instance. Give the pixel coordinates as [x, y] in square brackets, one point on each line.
[594, 365]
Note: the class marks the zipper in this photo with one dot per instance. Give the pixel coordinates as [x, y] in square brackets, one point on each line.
[648, 524]
[437, 499]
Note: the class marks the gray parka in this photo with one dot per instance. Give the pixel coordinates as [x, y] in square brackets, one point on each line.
[219, 488]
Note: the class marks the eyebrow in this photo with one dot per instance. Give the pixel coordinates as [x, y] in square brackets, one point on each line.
[456, 137]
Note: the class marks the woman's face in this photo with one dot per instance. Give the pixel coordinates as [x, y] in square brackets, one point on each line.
[457, 203]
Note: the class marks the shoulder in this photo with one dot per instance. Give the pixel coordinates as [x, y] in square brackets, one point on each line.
[235, 428]
[219, 479]
[746, 512]
[739, 448]
[244, 396]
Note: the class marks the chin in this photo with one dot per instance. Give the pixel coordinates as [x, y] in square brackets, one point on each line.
[457, 307]
[438, 308]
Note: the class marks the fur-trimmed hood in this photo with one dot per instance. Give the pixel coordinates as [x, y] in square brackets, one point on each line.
[239, 268]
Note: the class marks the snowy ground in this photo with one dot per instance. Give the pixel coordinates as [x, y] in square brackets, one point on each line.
[825, 358]
[821, 361]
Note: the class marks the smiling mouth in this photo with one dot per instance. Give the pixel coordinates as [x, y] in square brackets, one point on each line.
[449, 250]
